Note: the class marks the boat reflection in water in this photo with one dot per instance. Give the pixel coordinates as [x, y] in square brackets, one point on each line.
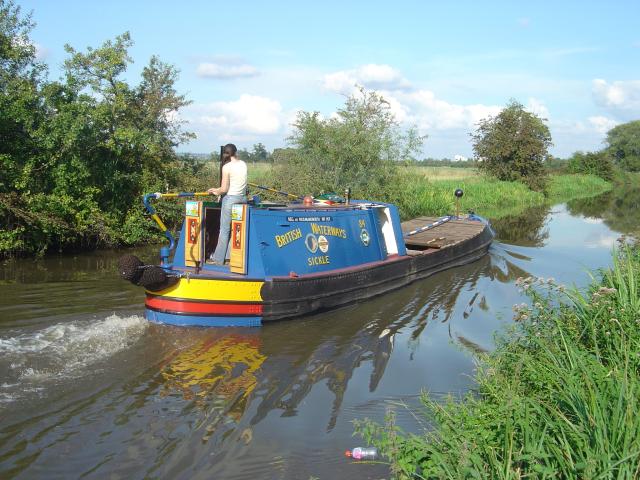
[221, 367]
[276, 368]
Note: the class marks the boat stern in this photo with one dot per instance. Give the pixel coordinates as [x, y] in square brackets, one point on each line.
[207, 302]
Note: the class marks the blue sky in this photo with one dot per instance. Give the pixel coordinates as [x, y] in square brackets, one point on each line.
[248, 67]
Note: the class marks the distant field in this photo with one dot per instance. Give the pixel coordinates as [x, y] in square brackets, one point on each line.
[258, 171]
[441, 173]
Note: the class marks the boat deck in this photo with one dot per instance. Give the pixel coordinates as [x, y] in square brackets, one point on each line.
[444, 235]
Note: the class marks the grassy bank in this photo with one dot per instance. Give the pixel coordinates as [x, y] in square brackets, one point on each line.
[558, 398]
[429, 191]
[421, 195]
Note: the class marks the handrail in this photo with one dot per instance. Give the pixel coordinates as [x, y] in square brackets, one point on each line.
[146, 199]
[273, 190]
[435, 224]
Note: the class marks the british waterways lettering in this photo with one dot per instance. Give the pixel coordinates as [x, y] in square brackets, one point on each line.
[328, 230]
[287, 238]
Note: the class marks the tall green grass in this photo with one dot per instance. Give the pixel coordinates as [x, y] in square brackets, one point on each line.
[569, 187]
[429, 191]
[489, 197]
[418, 196]
[558, 398]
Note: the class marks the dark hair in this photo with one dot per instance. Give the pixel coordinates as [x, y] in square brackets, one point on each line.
[232, 147]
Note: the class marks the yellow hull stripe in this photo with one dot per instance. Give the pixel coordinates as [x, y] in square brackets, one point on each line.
[215, 290]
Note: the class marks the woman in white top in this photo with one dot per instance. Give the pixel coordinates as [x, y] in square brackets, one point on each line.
[233, 186]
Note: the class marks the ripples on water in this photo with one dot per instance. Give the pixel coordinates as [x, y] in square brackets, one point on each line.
[89, 389]
[62, 351]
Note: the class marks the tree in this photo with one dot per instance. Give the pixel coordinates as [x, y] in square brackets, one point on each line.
[356, 148]
[624, 145]
[21, 114]
[593, 163]
[76, 154]
[244, 154]
[20, 107]
[513, 146]
[133, 130]
[259, 153]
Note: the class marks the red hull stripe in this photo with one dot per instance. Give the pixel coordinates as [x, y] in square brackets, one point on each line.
[158, 303]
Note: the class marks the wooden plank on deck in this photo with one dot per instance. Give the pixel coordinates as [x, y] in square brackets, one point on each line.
[448, 233]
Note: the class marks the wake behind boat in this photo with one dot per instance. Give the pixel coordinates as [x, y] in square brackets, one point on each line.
[293, 259]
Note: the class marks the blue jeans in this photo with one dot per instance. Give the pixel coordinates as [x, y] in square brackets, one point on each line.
[225, 226]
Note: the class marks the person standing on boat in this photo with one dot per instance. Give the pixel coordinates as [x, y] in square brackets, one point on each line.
[233, 186]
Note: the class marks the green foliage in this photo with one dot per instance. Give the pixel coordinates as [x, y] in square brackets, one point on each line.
[624, 145]
[77, 154]
[556, 399]
[556, 165]
[513, 146]
[592, 163]
[357, 148]
[568, 187]
[20, 104]
[416, 196]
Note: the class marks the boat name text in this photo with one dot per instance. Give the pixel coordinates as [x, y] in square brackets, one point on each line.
[318, 260]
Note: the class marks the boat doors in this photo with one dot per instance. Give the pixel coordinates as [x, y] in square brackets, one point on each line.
[193, 234]
[238, 241]
[202, 227]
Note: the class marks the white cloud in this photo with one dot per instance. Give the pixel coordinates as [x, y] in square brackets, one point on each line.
[340, 82]
[41, 52]
[371, 76]
[601, 124]
[225, 71]
[429, 112]
[250, 114]
[601, 241]
[381, 76]
[620, 97]
[538, 108]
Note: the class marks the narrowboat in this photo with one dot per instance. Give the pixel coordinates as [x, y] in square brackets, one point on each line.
[291, 259]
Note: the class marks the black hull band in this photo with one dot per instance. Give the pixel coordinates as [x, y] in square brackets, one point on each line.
[288, 297]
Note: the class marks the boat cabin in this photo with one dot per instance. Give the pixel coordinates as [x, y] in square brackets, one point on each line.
[269, 239]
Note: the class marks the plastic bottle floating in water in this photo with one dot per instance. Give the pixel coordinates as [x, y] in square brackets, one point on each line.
[360, 453]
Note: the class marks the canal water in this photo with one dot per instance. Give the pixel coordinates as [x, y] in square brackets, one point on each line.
[89, 389]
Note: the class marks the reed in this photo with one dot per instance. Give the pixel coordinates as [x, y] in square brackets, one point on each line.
[556, 399]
